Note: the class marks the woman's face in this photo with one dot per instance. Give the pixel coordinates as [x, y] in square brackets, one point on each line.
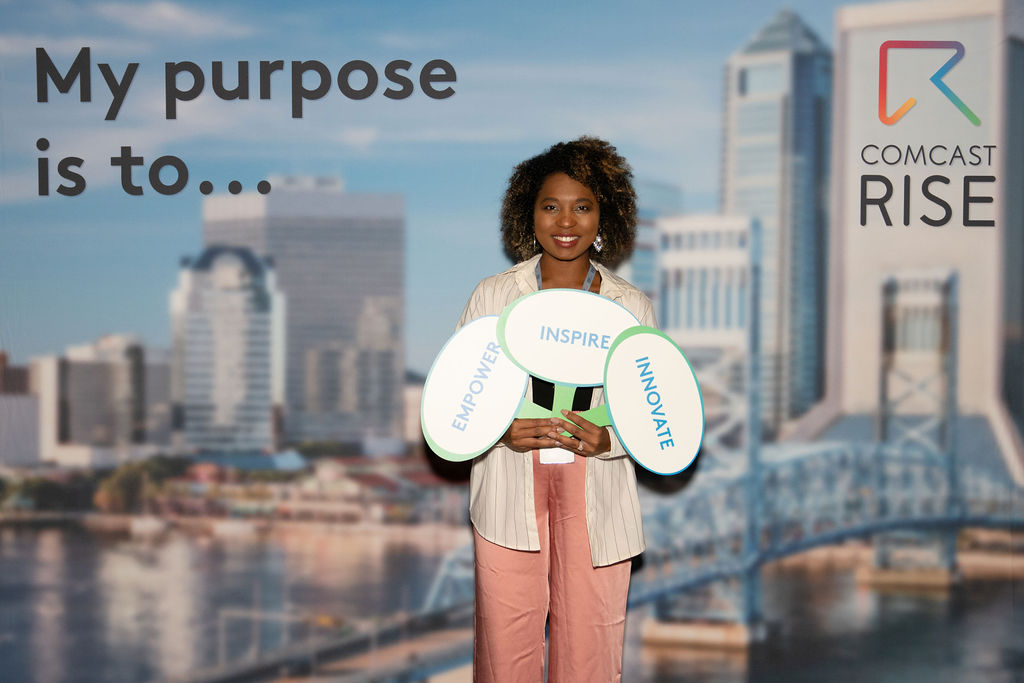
[565, 218]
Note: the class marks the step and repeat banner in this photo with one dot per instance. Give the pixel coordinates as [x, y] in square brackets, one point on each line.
[235, 239]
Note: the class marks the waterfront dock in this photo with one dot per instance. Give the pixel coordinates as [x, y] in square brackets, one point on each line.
[424, 643]
[422, 653]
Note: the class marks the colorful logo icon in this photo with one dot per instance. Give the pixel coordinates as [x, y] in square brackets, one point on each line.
[883, 68]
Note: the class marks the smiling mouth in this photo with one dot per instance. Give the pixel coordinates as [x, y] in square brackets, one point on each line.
[566, 240]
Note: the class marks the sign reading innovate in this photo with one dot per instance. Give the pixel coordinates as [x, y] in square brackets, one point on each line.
[654, 400]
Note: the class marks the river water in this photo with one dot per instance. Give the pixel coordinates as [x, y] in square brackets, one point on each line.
[75, 606]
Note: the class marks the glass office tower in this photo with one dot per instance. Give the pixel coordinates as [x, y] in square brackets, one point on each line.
[776, 169]
[332, 250]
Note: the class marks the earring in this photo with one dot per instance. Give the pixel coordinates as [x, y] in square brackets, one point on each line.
[598, 243]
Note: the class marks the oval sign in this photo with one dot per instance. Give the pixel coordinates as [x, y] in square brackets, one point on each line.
[472, 392]
[562, 335]
[654, 400]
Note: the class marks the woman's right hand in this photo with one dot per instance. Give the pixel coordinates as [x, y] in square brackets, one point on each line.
[526, 434]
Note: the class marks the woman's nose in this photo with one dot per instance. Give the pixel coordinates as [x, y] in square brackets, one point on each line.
[566, 218]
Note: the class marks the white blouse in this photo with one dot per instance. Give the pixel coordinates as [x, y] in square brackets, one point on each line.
[501, 503]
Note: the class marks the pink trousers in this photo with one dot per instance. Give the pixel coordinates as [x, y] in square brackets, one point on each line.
[516, 591]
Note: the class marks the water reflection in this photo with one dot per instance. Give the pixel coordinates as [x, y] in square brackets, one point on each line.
[75, 606]
[48, 612]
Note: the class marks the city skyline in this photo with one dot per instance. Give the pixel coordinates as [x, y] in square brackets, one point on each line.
[448, 158]
[338, 259]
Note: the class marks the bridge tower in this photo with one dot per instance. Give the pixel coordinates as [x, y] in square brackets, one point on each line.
[917, 411]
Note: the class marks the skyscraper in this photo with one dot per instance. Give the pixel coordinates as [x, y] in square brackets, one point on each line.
[775, 169]
[704, 283]
[654, 200]
[332, 250]
[705, 288]
[227, 320]
[356, 380]
[19, 416]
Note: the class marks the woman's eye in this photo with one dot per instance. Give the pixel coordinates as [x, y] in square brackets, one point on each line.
[582, 208]
[550, 207]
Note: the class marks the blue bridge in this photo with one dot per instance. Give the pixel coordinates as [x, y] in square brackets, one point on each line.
[793, 500]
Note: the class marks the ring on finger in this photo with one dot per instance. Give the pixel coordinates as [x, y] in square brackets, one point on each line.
[579, 447]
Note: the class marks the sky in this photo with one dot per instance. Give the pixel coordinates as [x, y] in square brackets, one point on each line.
[646, 75]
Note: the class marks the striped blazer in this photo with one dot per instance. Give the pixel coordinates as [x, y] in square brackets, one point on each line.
[501, 503]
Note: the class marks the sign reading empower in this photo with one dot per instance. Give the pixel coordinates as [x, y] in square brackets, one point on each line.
[471, 394]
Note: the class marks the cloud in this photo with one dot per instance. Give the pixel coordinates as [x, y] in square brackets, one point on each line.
[668, 119]
[25, 45]
[665, 120]
[409, 41]
[171, 19]
[17, 186]
[143, 128]
[361, 137]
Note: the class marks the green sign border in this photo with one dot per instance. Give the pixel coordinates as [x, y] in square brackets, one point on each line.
[462, 457]
[626, 334]
[503, 319]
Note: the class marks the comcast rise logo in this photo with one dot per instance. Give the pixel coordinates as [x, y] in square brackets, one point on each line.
[936, 79]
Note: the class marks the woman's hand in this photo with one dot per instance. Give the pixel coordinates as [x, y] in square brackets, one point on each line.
[586, 437]
[526, 434]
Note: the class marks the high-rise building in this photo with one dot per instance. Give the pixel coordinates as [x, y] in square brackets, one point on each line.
[775, 168]
[351, 386]
[102, 403]
[19, 429]
[704, 271]
[704, 303]
[654, 200]
[13, 378]
[227, 319]
[926, 178]
[19, 416]
[332, 251]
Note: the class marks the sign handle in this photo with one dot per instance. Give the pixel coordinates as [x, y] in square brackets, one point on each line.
[563, 399]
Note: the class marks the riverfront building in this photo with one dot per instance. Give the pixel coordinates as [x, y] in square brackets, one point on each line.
[227, 319]
[333, 251]
[775, 169]
[19, 416]
[353, 384]
[971, 227]
[102, 403]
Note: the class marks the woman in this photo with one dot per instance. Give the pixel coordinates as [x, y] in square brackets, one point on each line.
[553, 541]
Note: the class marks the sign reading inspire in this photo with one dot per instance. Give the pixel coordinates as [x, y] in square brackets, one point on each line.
[654, 400]
[472, 392]
[562, 335]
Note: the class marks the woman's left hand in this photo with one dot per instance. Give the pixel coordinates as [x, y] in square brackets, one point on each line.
[586, 437]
